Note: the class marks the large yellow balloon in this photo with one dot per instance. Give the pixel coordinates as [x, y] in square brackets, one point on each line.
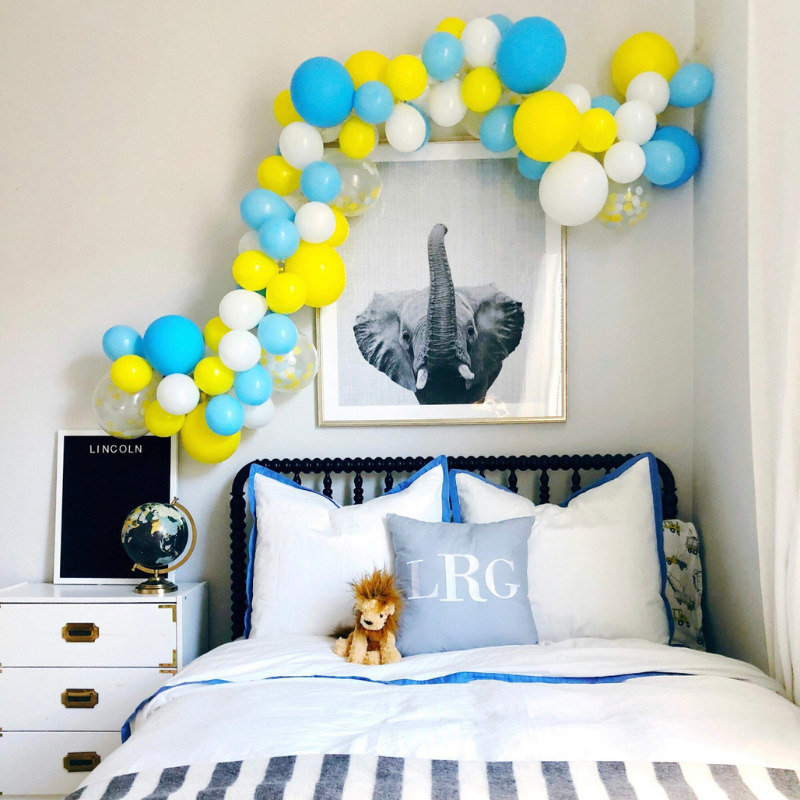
[367, 65]
[322, 269]
[201, 443]
[160, 422]
[253, 270]
[643, 52]
[342, 229]
[357, 139]
[286, 292]
[212, 376]
[547, 126]
[131, 374]
[407, 77]
[481, 89]
[277, 175]
[452, 25]
[214, 331]
[598, 130]
[284, 109]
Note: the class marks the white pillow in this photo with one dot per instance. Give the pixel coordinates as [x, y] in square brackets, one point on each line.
[305, 549]
[596, 565]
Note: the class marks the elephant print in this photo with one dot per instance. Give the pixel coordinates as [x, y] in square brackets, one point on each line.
[445, 344]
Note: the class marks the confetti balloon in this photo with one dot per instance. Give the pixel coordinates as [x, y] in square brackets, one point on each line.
[295, 370]
[361, 185]
[627, 204]
[121, 413]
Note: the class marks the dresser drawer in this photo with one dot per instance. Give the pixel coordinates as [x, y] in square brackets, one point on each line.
[69, 699]
[88, 634]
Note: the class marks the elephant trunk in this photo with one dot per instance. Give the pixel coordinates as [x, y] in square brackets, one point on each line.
[442, 323]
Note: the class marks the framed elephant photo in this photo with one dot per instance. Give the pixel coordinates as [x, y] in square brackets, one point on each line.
[455, 307]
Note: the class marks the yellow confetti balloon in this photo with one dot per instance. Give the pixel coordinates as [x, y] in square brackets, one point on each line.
[214, 331]
[598, 130]
[547, 126]
[481, 89]
[131, 373]
[407, 77]
[452, 25]
[643, 52]
[212, 376]
[296, 369]
[284, 109]
[366, 65]
[277, 175]
[160, 422]
[342, 229]
[357, 139]
[286, 293]
[253, 270]
[323, 271]
[121, 413]
[627, 204]
[201, 443]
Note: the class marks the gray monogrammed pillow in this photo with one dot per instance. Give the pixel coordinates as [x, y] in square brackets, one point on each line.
[466, 585]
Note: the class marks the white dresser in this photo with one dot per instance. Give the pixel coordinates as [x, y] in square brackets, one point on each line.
[75, 661]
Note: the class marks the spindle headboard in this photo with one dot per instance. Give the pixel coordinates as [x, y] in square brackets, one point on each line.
[358, 467]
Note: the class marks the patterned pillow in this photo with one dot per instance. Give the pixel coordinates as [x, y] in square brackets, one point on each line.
[684, 582]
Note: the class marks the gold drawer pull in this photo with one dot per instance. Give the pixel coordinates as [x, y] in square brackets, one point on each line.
[80, 632]
[81, 762]
[79, 698]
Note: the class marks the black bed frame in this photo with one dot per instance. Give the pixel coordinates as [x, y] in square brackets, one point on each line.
[358, 467]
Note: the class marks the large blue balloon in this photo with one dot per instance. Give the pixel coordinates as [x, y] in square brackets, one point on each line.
[690, 85]
[254, 386]
[607, 102]
[503, 23]
[321, 181]
[373, 102]
[322, 92]
[665, 162]
[277, 334]
[278, 238]
[261, 204]
[173, 344]
[442, 55]
[688, 144]
[122, 340]
[224, 415]
[531, 55]
[497, 129]
[530, 168]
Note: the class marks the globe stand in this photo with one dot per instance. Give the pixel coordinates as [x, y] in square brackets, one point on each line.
[155, 584]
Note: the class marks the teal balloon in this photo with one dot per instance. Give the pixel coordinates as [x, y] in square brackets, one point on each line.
[261, 204]
[688, 144]
[497, 129]
[278, 238]
[691, 85]
[442, 55]
[503, 23]
[531, 55]
[254, 386]
[530, 168]
[122, 340]
[373, 102]
[277, 334]
[224, 415]
[173, 344]
[665, 162]
[607, 102]
[322, 92]
[321, 181]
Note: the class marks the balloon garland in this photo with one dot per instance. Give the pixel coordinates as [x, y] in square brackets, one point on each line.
[488, 78]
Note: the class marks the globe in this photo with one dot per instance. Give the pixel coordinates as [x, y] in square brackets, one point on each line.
[155, 534]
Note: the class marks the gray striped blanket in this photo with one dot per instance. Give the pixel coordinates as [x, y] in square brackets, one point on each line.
[363, 777]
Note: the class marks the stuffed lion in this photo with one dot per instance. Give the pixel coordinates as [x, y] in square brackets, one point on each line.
[377, 608]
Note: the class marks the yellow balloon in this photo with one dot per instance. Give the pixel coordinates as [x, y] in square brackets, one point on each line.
[286, 292]
[253, 270]
[643, 52]
[277, 175]
[598, 130]
[201, 443]
[160, 422]
[342, 229]
[366, 65]
[481, 89]
[452, 25]
[212, 376]
[547, 126]
[131, 374]
[357, 139]
[214, 331]
[284, 109]
[407, 77]
[322, 269]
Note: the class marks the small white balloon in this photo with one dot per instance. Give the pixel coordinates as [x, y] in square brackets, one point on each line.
[405, 128]
[445, 104]
[258, 416]
[579, 95]
[239, 350]
[249, 242]
[472, 123]
[480, 39]
[624, 162]
[330, 134]
[315, 222]
[650, 88]
[636, 122]
[242, 310]
[177, 394]
[301, 144]
[574, 189]
[294, 200]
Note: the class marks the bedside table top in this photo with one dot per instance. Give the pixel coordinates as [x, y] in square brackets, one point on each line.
[89, 593]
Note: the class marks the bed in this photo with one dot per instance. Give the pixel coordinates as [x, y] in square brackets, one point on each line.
[584, 718]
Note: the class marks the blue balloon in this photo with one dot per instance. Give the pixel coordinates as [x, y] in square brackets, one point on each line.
[497, 129]
[224, 415]
[260, 204]
[122, 340]
[502, 21]
[442, 55]
[278, 238]
[277, 334]
[374, 102]
[607, 102]
[322, 92]
[173, 344]
[321, 181]
[531, 169]
[665, 162]
[531, 55]
[688, 144]
[690, 85]
[254, 386]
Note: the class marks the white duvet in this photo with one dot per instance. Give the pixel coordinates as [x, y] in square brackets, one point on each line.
[294, 696]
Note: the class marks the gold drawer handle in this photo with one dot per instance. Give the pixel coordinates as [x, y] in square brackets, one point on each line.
[79, 698]
[81, 762]
[80, 632]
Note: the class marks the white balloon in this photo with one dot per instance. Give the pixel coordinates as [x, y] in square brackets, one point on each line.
[301, 144]
[249, 242]
[177, 394]
[636, 122]
[239, 350]
[445, 104]
[294, 200]
[315, 222]
[330, 134]
[480, 39]
[574, 189]
[472, 123]
[258, 416]
[624, 162]
[579, 95]
[650, 88]
[242, 310]
[405, 128]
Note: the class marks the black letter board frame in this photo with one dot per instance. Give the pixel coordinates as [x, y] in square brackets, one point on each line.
[100, 480]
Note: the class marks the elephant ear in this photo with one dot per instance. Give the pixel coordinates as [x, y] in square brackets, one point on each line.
[378, 335]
